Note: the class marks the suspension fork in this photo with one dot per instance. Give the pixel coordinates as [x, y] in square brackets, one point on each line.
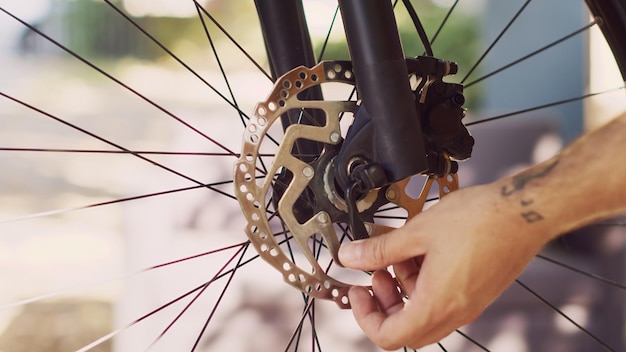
[395, 135]
[288, 45]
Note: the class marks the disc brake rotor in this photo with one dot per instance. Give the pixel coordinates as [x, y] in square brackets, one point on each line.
[255, 181]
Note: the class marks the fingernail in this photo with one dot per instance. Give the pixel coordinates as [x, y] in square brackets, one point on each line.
[349, 253]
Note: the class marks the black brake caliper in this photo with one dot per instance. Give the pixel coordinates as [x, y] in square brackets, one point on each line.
[440, 105]
[440, 108]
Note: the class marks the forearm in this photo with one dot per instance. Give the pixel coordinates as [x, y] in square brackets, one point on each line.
[584, 183]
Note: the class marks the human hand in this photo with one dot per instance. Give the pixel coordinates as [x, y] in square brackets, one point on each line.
[451, 261]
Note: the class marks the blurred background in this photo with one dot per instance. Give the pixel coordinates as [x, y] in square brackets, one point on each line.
[78, 221]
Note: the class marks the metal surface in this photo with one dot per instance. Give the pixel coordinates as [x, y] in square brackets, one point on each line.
[254, 187]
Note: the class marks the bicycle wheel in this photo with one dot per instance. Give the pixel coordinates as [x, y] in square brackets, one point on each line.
[94, 150]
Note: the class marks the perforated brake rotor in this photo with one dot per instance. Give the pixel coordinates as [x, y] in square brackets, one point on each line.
[254, 181]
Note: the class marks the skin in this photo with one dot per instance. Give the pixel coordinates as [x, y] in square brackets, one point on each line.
[459, 256]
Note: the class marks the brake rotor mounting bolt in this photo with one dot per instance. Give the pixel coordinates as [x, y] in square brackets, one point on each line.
[322, 218]
[335, 137]
[308, 172]
[458, 99]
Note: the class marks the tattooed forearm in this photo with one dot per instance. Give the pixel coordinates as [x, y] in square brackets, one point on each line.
[519, 183]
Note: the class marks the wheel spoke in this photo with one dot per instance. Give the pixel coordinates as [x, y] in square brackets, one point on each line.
[225, 32]
[558, 311]
[255, 257]
[298, 329]
[104, 151]
[241, 250]
[538, 51]
[327, 39]
[418, 27]
[443, 22]
[473, 341]
[582, 272]
[93, 135]
[210, 186]
[171, 302]
[219, 64]
[495, 41]
[175, 57]
[391, 217]
[120, 83]
[86, 285]
[221, 296]
[539, 107]
[136, 321]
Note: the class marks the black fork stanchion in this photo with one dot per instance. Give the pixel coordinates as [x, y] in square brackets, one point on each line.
[382, 82]
[288, 46]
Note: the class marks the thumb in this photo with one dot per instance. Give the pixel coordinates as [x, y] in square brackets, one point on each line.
[381, 251]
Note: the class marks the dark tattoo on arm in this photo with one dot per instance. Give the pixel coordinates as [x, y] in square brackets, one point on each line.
[519, 183]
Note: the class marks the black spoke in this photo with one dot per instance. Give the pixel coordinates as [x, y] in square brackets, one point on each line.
[82, 130]
[539, 107]
[443, 23]
[582, 272]
[200, 292]
[140, 319]
[470, 339]
[174, 56]
[391, 217]
[327, 39]
[120, 200]
[118, 277]
[242, 117]
[558, 311]
[105, 151]
[538, 51]
[300, 324]
[219, 63]
[117, 81]
[219, 299]
[248, 261]
[225, 32]
[242, 244]
[421, 32]
[506, 28]
[441, 346]
[388, 208]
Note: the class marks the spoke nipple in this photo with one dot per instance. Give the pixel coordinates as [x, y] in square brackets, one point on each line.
[308, 172]
[323, 218]
[335, 137]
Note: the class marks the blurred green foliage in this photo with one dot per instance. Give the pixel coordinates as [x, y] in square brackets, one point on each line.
[458, 40]
[96, 30]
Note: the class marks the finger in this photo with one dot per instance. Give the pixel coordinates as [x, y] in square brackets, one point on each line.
[386, 292]
[381, 251]
[389, 332]
[407, 273]
[365, 309]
